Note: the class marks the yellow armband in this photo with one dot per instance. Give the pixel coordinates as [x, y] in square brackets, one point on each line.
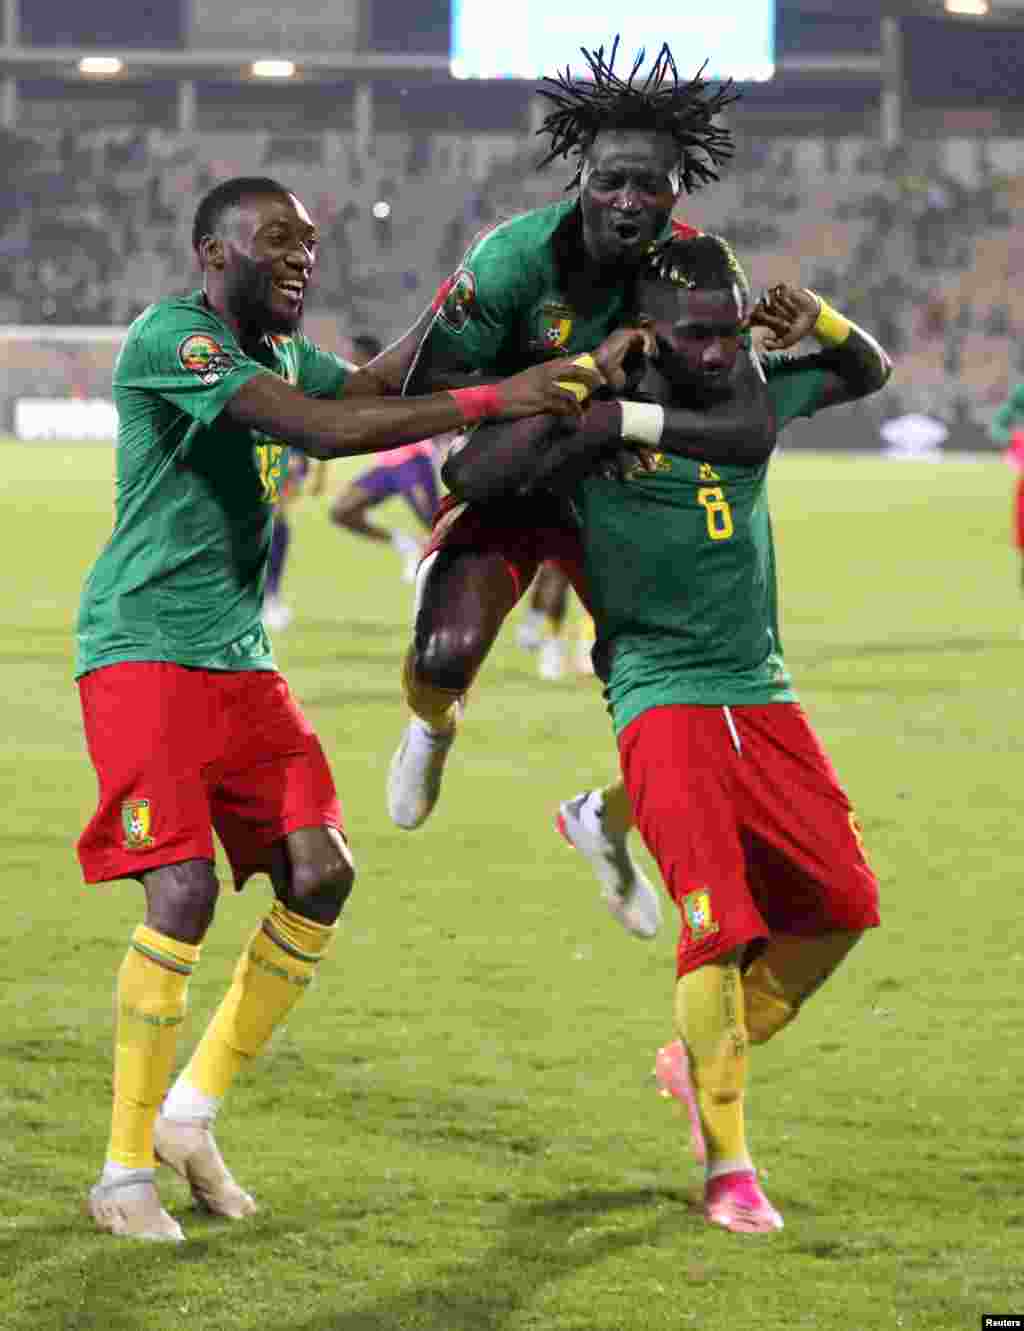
[580, 391]
[831, 328]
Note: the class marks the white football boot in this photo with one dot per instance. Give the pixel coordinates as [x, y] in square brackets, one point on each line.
[190, 1150]
[130, 1208]
[276, 615]
[551, 661]
[414, 777]
[629, 895]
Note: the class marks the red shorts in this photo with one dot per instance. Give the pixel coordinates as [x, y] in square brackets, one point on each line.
[179, 752]
[750, 841]
[525, 532]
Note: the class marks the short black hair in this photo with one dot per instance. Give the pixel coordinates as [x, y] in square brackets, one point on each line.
[369, 345]
[660, 102]
[228, 194]
[696, 263]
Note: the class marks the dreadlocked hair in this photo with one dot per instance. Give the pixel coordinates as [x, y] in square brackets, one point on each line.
[659, 101]
[696, 263]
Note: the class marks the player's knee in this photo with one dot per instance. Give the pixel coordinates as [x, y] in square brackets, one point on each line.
[319, 888]
[340, 512]
[449, 657]
[766, 1016]
[181, 899]
[766, 1010]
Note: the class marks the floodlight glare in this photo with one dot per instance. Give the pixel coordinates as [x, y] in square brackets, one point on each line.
[973, 7]
[273, 69]
[100, 64]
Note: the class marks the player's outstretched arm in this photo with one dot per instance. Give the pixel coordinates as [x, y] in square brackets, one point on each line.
[500, 459]
[855, 365]
[335, 428]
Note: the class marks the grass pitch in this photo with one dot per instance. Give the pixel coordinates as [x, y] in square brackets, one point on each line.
[457, 1130]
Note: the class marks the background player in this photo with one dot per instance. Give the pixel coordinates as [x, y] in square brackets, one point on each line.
[733, 793]
[558, 279]
[276, 614]
[188, 724]
[1007, 428]
[410, 471]
[542, 629]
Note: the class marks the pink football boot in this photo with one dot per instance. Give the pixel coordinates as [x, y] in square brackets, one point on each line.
[672, 1072]
[735, 1201]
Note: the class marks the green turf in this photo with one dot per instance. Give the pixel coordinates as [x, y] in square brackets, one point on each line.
[457, 1131]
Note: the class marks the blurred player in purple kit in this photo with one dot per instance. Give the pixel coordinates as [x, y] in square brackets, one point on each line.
[409, 472]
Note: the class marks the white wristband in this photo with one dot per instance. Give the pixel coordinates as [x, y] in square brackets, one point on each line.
[642, 422]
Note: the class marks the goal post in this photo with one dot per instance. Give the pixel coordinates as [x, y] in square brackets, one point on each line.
[56, 381]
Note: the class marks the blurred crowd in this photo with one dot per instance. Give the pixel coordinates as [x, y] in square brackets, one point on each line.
[916, 243]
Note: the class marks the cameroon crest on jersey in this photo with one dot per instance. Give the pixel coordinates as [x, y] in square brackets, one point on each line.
[553, 327]
[460, 300]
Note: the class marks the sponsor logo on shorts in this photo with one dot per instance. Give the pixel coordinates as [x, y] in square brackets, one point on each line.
[699, 920]
[136, 816]
[460, 300]
[552, 327]
[202, 355]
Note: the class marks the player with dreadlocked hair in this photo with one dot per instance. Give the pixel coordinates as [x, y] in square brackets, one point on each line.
[755, 838]
[557, 280]
[684, 111]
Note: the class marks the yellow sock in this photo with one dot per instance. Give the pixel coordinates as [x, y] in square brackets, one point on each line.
[617, 817]
[709, 1018]
[152, 987]
[271, 976]
[434, 706]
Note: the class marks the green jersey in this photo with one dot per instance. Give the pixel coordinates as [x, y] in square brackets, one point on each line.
[1008, 417]
[181, 578]
[681, 569]
[508, 306]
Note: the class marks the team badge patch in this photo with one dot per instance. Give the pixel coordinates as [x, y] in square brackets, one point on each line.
[553, 328]
[459, 302]
[203, 356]
[135, 819]
[697, 909]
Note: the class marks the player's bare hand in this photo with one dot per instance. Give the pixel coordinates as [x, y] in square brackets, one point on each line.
[788, 313]
[629, 461]
[621, 356]
[555, 387]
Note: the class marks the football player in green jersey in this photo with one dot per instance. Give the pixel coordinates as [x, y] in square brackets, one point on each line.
[555, 280]
[736, 799]
[1007, 428]
[189, 725]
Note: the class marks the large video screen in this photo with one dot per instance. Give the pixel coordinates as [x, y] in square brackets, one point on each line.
[535, 37]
